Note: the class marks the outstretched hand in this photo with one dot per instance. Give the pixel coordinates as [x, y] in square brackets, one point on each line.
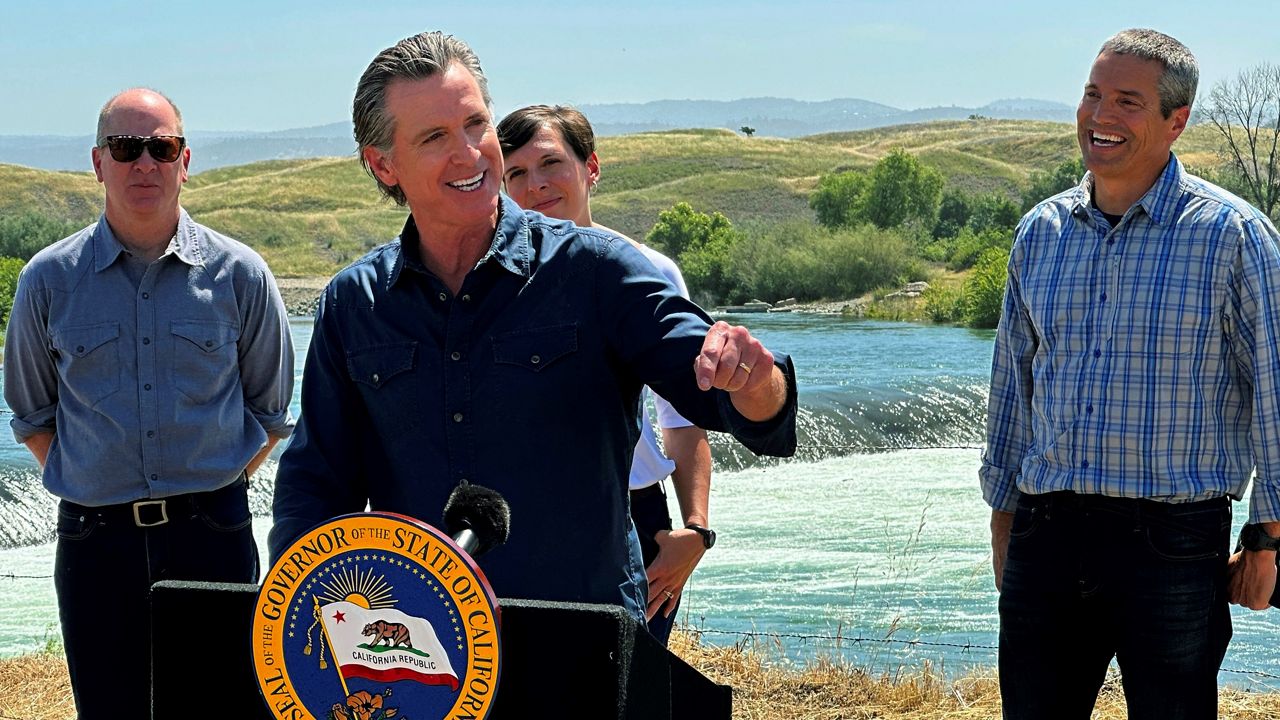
[734, 361]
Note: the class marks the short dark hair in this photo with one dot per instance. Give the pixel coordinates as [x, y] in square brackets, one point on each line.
[1177, 85]
[519, 126]
[413, 58]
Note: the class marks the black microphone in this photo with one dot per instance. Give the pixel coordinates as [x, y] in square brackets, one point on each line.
[477, 518]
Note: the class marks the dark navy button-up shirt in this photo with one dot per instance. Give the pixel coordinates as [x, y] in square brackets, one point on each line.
[527, 381]
[153, 386]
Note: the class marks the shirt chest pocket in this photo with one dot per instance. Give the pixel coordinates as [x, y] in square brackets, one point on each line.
[89, 360]
[537, 349]
[205, 360]
[374, 366]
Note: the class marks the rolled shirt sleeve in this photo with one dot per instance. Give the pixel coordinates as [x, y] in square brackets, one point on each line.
[1008, 432]
[266, 355]
[1254, 323]
[30, 374]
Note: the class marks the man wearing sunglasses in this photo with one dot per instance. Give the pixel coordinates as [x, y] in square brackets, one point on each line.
[149, 367]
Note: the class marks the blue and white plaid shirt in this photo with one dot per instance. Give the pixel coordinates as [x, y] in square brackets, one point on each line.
[1141, 360]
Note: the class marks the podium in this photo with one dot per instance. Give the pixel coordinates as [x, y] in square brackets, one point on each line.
[606, 664]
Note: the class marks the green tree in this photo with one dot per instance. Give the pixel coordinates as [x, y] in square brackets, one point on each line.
[835, 200]
[1047, 184]
[900, 188]
[984, 289]
[968, 247]
[993, 211]
[701, 244]
[26, 233]
[747, 130]
[9, 269]
[953, 213]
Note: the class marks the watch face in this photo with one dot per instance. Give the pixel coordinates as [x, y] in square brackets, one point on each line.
[708, 535]
[1253, 538]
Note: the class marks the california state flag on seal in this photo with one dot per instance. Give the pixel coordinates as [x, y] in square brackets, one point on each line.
[385, 645]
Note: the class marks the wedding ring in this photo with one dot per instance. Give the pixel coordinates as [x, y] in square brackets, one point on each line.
[667, 593]
[745, 368]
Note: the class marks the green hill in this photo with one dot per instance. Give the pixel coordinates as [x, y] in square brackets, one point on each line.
[310, 217]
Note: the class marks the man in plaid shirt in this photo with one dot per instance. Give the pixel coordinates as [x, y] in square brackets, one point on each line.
[1135, 387]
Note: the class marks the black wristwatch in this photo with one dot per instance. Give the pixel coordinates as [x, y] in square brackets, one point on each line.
[1253, 537]
[708, 535]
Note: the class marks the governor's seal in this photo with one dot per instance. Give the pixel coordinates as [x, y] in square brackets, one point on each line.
[374, 616]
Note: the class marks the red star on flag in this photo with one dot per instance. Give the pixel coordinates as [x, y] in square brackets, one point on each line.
[338, 617]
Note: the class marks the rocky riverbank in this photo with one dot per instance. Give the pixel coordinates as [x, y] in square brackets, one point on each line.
[301, 295]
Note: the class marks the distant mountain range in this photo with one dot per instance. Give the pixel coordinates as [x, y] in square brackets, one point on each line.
[774, 117]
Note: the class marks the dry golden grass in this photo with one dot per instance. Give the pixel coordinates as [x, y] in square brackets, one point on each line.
[37, 685]
[828, 689]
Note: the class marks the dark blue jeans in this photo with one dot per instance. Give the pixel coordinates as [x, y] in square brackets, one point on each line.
[1089, 578]
[649, 513]
[103, 572]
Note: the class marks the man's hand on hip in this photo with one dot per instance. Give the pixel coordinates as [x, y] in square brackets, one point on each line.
[678, 554]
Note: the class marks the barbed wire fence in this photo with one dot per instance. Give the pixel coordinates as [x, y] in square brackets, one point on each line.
[840, 640]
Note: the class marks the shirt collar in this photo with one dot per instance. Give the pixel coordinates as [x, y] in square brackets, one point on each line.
[185, 243]
[511, 247]
[1158, 202]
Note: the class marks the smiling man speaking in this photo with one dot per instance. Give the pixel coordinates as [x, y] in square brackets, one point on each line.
[494, 345]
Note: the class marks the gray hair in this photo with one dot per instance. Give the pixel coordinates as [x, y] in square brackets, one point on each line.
[1177, 86]
[413, 58]
[104, 115]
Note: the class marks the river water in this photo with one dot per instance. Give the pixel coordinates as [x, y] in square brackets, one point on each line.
[870, 544]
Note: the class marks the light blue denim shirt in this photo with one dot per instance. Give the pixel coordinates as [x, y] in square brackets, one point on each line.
[1141, 360]
[165, 387]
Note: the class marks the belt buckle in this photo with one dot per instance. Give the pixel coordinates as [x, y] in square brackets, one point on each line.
[137, 516]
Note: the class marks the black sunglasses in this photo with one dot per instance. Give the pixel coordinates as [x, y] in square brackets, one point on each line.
[163, 148]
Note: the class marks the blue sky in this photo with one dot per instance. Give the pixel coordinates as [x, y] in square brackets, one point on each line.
[239, 65]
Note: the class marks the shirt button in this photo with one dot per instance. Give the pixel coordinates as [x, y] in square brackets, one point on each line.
[154, 476]
[1111, 241]
[455, 355]
[1089, 410]
[146, 296]
[147, 386]
[443, 297]
[457, 417]
[1097, 353]
[151, 433]
[208, 343]
[1104, 297]
[146, 341]
[79, 348]
[466, 298]
[1084, 465]
[375, 378]
[535, 359]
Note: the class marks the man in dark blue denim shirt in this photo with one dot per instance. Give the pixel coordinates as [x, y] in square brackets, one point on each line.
[497, 346]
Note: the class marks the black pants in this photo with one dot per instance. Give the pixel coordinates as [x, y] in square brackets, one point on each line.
[1089, 578]
[104, 569]
[649, 513]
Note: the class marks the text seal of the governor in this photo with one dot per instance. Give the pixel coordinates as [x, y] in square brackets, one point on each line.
[372, 616]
